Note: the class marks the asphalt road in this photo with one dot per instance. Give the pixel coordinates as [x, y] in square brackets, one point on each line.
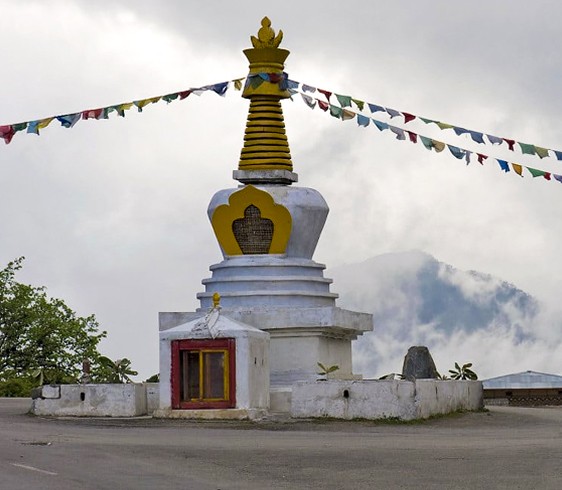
[515, 448]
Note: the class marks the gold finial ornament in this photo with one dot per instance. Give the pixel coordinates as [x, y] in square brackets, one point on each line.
[265, 143]
[216, 300]
[266, 36]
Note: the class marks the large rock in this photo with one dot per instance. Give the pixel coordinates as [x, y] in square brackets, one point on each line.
[418, 364]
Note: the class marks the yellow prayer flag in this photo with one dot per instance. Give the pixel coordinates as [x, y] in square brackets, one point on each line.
[444, 125]
[125, 107]
[438, 145]
[238, 84]
[43, 123]
[141, 103]
[518, 169]
[347, 115]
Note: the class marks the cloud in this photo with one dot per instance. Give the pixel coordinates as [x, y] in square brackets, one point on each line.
[461, 316]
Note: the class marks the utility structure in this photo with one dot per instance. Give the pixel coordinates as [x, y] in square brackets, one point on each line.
[267, 229]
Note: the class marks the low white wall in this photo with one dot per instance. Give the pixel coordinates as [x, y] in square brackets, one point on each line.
[152, 397]
[94, 400]
[439, 397]
[377, 399]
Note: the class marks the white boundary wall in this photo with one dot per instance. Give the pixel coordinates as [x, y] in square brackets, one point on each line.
[91, 400]
[379, 399]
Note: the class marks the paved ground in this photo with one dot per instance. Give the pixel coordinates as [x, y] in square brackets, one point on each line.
[515, 448]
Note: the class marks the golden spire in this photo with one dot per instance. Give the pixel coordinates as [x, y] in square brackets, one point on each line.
[265, 157]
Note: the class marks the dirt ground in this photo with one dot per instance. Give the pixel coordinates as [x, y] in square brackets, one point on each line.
[505, 447]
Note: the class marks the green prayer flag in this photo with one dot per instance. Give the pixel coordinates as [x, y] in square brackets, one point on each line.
[255, 81]
[19, 127]
[336, 111]
[359, 103]
[427, 121]
[527, 149]
[541, 152]
[427, 142]
[344, 100]
[536, 172]
[168, 98]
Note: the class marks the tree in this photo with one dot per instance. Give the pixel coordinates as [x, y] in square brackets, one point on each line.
[42, 334]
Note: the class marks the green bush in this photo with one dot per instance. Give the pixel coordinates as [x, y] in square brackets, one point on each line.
[16, 387]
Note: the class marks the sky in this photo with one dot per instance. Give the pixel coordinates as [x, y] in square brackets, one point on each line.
[111, 214]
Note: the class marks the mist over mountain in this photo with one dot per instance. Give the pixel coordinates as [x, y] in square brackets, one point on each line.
[463, 316]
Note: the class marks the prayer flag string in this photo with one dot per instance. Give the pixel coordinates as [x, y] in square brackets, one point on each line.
[479, 137]
[8, 131]
[345, 114]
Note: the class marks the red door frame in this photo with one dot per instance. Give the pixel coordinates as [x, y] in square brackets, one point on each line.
[203, 344]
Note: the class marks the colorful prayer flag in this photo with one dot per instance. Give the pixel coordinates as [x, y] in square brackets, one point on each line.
[359, 103]
[408, 117]
[503, 165]
[527, 149]
[347, 115]
[517, 168]
[336, 111]
[363, 120]
[344, 100]
[375, 108]
[381, 126]
[393, 113]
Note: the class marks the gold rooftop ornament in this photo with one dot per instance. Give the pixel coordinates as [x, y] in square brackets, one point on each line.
[266, 36]
[216, 300]
[265, 157]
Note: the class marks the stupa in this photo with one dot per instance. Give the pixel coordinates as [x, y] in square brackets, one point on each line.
[267, 229]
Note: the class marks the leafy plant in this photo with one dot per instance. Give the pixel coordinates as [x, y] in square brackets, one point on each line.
[463, 372]
[325, 370]
[155, 378]
[118, 371]
[392, 376]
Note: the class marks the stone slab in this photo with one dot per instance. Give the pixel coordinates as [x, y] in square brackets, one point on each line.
[211, 414]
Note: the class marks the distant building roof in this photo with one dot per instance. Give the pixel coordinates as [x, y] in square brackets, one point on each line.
[524, 380]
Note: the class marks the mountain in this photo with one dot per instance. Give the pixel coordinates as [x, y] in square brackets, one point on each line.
[417, 300]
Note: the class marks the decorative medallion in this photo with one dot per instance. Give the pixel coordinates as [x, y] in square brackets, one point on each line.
[252, 223]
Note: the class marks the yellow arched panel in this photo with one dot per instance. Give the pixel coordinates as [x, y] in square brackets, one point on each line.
[225, 215]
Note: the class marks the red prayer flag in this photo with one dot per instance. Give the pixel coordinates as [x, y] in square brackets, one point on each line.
[408, 117]
[7, 132]
[274, 77]
[510, 143]
[547, 175]
[481, 158]
[92, 114]
[326, 93]
[413, 136]
[184, 94]
[323, 105]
